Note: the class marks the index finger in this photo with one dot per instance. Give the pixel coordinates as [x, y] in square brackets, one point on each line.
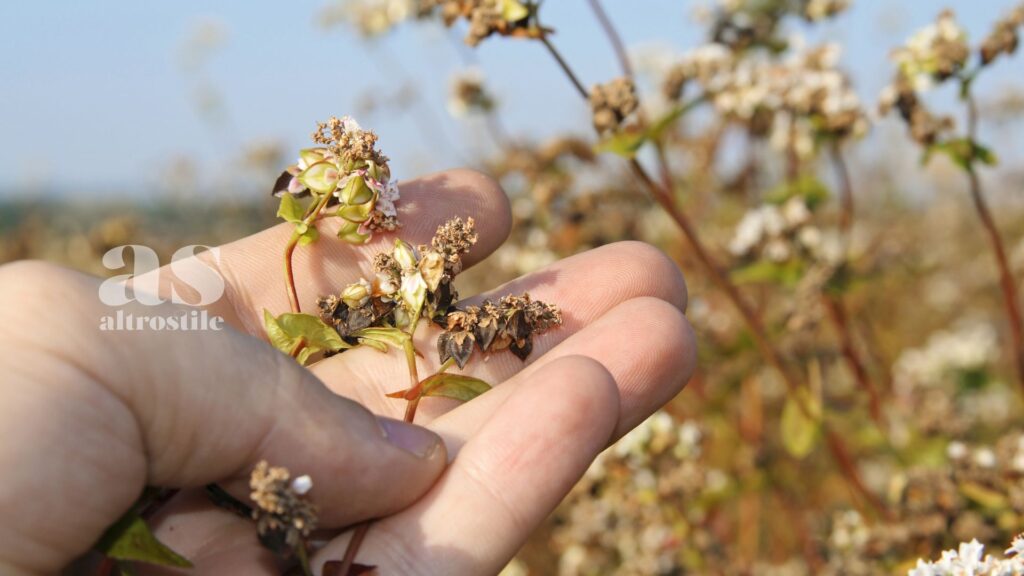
[252, 267]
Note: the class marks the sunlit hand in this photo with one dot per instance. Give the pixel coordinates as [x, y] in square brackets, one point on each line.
[88, 418]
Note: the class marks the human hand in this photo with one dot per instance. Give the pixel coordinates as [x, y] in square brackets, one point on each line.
[188, 409]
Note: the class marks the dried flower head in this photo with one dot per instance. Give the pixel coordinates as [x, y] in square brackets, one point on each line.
[485, 17]
[611, 103]
[283, 516]
[816, 10]
[1004, 37]
[468, 94]
[511, 323]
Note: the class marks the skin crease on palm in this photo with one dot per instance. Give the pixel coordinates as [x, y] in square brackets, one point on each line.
[88, 418]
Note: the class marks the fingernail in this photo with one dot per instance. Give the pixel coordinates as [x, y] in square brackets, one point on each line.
[409, 437]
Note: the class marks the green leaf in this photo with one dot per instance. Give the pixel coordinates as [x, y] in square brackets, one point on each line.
[810, 189]
[308, 236]
[291, 210]
[456, 386]
[286, 330]
[767, 272]
[800, 432]
[963, 152]
[513, 11]
[131, 539]
[380, 338]
[983, 496]
[624, 143]
[627, 143]
[658, 128]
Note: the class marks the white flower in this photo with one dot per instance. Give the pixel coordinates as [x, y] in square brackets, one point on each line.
[956, 450]
[985, 458]
[302, 485]
[387, 198]
[1016, 547]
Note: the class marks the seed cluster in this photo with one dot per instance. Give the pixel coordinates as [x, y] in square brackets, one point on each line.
[409, 281]
[509, 323]
[283, 516]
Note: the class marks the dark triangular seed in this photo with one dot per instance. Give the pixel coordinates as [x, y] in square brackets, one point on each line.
[522, 351]
[485, 333]
[461, 346]
[443, 352]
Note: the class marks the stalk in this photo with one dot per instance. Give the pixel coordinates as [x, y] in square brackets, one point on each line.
[289, 251]
[1007, 283]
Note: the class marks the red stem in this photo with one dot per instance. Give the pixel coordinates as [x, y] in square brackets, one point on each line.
[1007, 283]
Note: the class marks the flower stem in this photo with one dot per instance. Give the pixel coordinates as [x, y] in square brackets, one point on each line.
[353, 547]
[565, 67]
[1006, 280]
[835, 305]
[410, 414]
[289, 251]
[613, 37]
[414, 378]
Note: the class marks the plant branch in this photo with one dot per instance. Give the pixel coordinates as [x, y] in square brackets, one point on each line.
[1006, 280]
[289, 252]
[835, 305]
[565, 67]
[613, 37]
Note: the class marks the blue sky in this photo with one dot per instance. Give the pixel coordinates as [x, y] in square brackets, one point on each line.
[96, 98]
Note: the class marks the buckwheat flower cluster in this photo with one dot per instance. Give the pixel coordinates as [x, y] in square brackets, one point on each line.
[1004, 37]
[932, 55]
[510, 323]
[946, 355]
[778, 233]
[371, 18]
[969, 559]
[816, 10]
[349, 168]
[611, 103]
[283, 516]
[485, 17]
[797, 100]
[468, 94]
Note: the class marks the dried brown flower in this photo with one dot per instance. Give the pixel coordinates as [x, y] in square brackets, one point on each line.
[283, 516]
[511, 323]
[612, 102]
[1004, 37]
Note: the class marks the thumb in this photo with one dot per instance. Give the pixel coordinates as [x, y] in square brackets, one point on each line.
[90, 417]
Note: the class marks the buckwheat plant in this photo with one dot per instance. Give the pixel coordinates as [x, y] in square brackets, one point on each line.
[345, 174]
[940, 54]
[409, 284]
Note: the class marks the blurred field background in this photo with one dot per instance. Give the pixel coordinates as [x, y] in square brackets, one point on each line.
[165, 125]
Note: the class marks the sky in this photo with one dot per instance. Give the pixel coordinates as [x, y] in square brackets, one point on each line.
[103, 98]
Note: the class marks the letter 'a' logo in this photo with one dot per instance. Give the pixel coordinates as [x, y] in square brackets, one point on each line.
[142, 283]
